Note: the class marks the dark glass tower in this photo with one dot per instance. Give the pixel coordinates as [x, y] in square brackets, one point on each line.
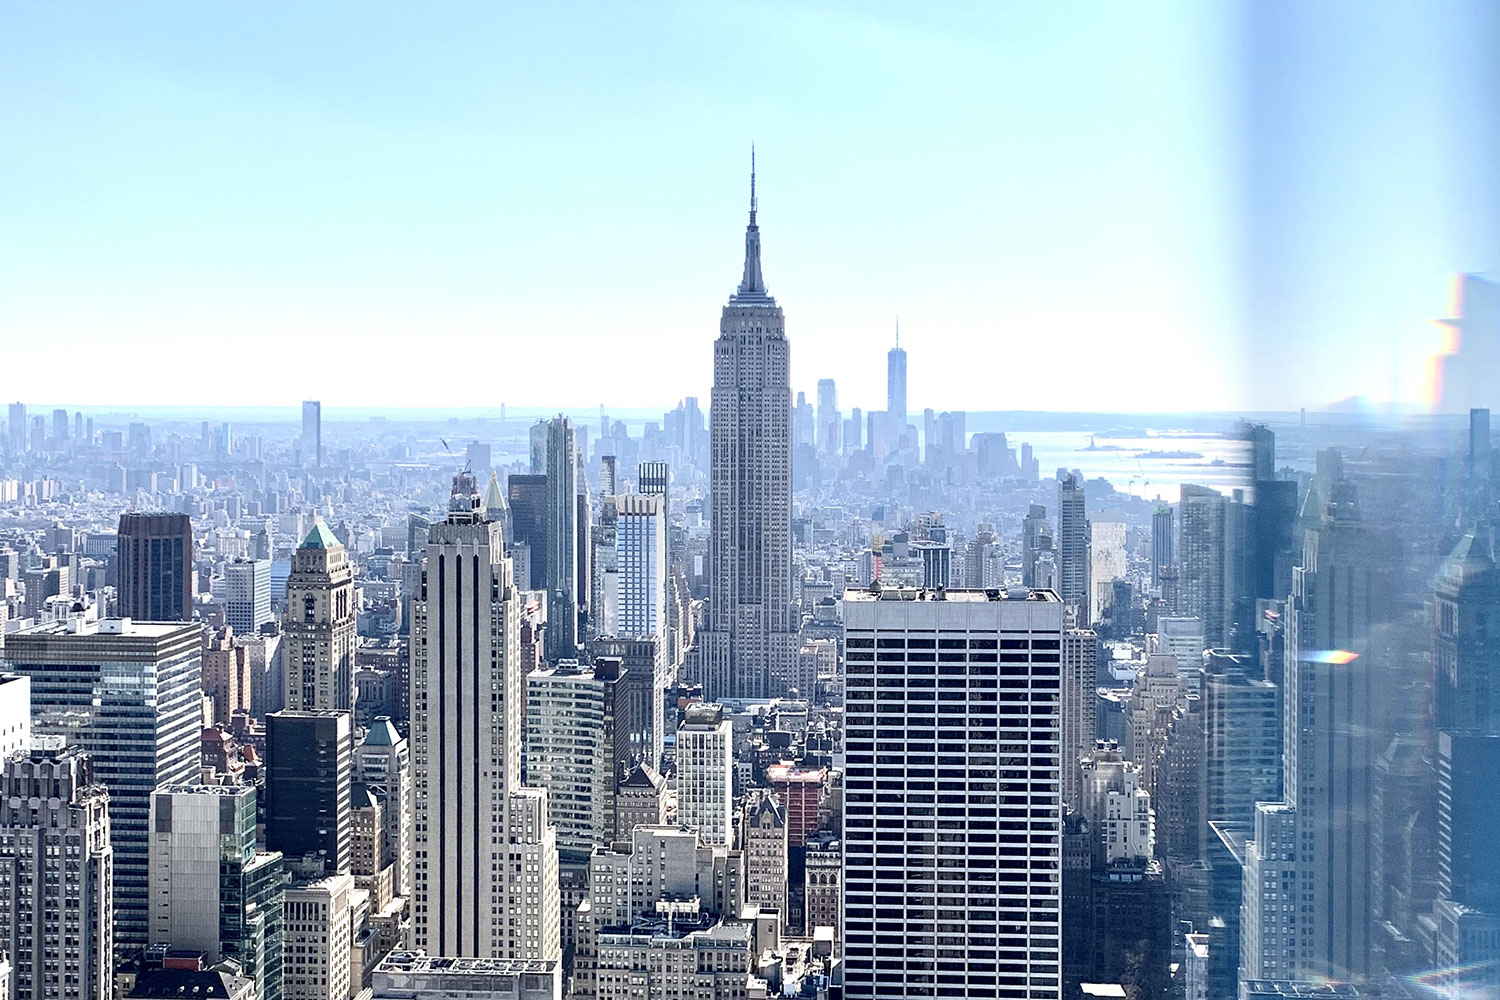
[156, 567]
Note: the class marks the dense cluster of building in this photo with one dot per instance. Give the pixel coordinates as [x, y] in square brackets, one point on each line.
[772, 702]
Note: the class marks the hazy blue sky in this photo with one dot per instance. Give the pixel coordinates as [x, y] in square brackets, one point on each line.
[544, 204]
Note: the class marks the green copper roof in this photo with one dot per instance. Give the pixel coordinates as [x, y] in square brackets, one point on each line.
[319, 538]
[382, 734]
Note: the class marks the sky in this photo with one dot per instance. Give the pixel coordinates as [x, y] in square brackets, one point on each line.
[543, 205]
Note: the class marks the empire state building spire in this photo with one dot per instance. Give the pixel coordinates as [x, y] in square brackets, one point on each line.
[752, 285]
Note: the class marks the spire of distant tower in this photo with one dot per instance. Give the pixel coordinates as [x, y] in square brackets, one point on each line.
[752, 284]
[898, 331]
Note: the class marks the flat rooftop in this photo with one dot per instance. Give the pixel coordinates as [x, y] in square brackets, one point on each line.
[992, 595]
[416, 961]
[127, 627]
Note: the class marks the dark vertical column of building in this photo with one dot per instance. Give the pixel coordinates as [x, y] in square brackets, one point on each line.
[308, 786]
[528, 512]
[1073, 543]
[156, 567]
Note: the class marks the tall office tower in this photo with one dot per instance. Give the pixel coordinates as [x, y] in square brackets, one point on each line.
[1179, 786]
[1268, 923]
[641, 657]
[830, 421]
[578, 729]
[309, 774]
[584, 572]
[655, 479]
[474, 821]
[1035, 537]
[312, 434]
[15, 427]
[226, 672]
[1467, 909]
[318, 628]
[562, 539]
[609, 475]
[1080, 691]
[705, 774]
[60, 427]
[604, 583]
[131, 695]
[538, 439]
[156, 567]
[50, 578]
[528, 515]
[895, 391]
[1162, 537]
[56, 875]
[247, 584]
[641, 605]
[763, 839]
[988, 920]
[1242, 740]
[749, 636]
[382, 764]
[1106, 564]
[1200, 560]
[212, 892]
[853, 431]
[319, 936]
[1072, 542]
[1183, 638]
[1466, 640]
[1341, 593]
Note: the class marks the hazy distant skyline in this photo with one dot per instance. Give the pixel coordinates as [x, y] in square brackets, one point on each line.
[211, 205]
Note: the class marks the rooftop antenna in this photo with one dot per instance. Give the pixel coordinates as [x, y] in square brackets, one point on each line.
[752, 183]
[898, 330]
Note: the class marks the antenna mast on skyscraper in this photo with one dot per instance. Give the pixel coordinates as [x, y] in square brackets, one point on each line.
[752, 183]
[898, 330]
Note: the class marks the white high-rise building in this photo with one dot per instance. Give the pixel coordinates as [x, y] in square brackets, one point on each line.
[1269, 903]
[962, 893]
[211, 890]
[749, 637]
[318, 628]
[312, 434]
[577, 745]
[485, 865]
[319, 933]
[1117, 807]
[382, 763]
[56, 874]
[1183, 638]
[15, 714]
[247, 586]
[705, 774]
[641, 604]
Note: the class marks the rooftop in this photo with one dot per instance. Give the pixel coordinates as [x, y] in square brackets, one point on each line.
[127, 627]
[965, 596]
[417, 961]
[319, 538]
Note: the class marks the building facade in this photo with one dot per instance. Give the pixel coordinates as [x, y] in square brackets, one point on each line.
[130, 694]
[318, 629]
[964, 772]
[749, 637]
[485, 854]
[55, 926]
[156, 567]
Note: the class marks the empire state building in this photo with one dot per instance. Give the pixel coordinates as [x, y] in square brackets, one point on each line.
[749, 647]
